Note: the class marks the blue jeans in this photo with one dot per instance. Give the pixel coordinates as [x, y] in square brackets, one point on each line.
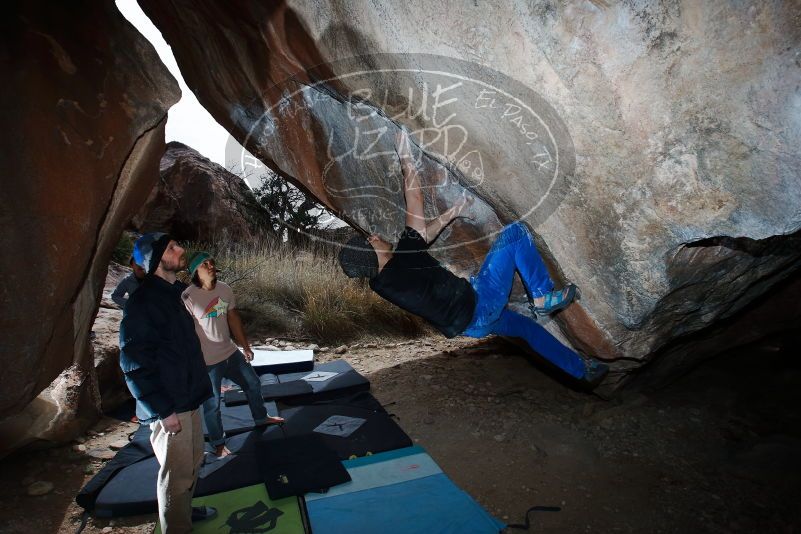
[241, 372]
[514, 250]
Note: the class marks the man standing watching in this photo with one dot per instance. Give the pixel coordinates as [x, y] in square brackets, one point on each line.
[213, 306]
[164, 369]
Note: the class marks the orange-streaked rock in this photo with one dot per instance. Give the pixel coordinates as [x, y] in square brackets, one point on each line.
[84, 102]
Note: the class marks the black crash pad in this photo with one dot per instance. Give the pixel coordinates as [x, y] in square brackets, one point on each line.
[299, 464]
[351, 427]
[277, 391]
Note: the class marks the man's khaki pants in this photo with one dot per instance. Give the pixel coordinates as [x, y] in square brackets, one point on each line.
[180, 457]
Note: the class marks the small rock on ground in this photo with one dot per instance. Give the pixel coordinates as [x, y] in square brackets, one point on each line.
[117, 445]
[41, 487]
[101, 454]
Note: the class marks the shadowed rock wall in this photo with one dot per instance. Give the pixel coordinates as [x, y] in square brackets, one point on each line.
[677, 124]
[84, 101]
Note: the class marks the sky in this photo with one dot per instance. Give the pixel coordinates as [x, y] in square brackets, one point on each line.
[188, 121]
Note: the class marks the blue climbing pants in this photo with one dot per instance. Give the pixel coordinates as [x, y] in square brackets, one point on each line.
[514, 250]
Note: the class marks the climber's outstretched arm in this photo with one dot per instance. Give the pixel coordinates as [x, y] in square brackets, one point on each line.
[412, 187]
[435, 227]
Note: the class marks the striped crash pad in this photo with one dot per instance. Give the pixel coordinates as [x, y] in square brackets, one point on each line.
[397, 492]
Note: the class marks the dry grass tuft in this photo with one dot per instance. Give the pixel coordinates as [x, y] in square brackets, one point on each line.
[302, 291]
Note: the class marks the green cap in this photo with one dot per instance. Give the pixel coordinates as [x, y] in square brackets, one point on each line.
[197, 259]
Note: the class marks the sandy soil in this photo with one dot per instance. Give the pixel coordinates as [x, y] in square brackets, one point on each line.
[719, 451]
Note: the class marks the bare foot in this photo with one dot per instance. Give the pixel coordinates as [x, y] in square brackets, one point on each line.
[221, 451]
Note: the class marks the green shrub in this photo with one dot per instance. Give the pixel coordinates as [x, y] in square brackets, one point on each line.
[124, 248]
[302, 291]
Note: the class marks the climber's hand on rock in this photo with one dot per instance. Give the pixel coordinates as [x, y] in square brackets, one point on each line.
[464, 205]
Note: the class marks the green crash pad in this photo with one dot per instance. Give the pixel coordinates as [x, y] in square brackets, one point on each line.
[249, 509]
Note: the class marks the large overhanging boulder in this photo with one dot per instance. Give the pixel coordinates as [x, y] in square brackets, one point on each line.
[84, 101]
[199, 200]
[663, 164]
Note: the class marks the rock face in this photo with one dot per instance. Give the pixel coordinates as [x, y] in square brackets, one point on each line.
[196, 199]
[653, 147]
[106, 344]
[779, 310]
[84, 101]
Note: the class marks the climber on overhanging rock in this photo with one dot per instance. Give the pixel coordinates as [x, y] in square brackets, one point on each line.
[409, 277]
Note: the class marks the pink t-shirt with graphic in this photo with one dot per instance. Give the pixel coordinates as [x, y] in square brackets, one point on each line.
[210, 311]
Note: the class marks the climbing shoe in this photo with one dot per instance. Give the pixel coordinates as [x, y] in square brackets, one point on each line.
[554, 300]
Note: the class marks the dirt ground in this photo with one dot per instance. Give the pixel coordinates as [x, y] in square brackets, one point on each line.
[718, 451]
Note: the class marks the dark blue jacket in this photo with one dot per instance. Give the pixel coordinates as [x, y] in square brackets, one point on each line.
[160, 352]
